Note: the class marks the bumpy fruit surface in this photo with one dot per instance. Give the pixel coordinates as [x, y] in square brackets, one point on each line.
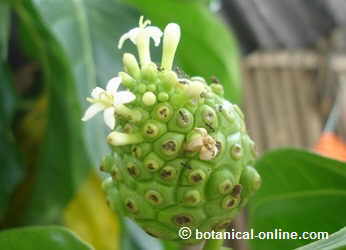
[162, 184]
[181, 156]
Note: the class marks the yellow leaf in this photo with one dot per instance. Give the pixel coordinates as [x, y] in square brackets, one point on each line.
[89, 216]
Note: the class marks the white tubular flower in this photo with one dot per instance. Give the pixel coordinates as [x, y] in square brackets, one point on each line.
[107, 101]
[171, 40]
[140, 36]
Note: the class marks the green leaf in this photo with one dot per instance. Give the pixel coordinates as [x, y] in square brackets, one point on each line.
[301, 192]
[4, 29]
[34, 238]
[207, 47]
[11, 172]
[75, 43]
[335, 241]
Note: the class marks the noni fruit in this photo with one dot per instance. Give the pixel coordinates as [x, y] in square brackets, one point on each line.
[181, 156]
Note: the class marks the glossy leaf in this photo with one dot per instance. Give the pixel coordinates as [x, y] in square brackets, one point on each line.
[335, 241]
[75, 43]
[207, 47]
[11, 172]
[301, 192]
[34, 238]
[4, 29]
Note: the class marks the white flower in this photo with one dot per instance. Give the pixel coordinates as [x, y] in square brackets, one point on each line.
[171, 40]
[135, 34]
[107, 101]
[140, 36]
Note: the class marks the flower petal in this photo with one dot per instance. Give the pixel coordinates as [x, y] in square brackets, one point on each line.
[108, 116]
[123, 97]
[155, 33]
[96, 92]
[129, 35]
[92, 110]
[133, 34]
[113, 85]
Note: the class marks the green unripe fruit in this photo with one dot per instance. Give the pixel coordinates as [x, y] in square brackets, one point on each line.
[181, 155]
[190, 167]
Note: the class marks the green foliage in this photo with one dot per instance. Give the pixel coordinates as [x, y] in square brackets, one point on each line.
[4, 29]
[34, 238]
[335, 241]
[301, 192]
[75, 42]
[207, 47]
[11, 171]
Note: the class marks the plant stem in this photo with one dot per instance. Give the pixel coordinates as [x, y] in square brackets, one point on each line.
[213, 244]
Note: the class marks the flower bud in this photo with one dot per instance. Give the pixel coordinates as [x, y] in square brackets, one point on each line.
[131, 65]
[149, 98]
[171, 38]
[149, 72]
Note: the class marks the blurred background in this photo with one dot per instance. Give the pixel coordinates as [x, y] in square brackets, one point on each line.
[293, 68]
[283, 61]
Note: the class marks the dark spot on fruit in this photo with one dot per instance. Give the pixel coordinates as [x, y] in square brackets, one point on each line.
[154, 197]
[136, 151]
[168, 173]
[225, 187]
[236, 190]
[170, 146]
[150, 130]
[229, 202]
[192, 197]
[236, 151]
[196, 176]
[182, 220]
[183, 116]
[163, 112]
[131, 206]
[133, 170]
